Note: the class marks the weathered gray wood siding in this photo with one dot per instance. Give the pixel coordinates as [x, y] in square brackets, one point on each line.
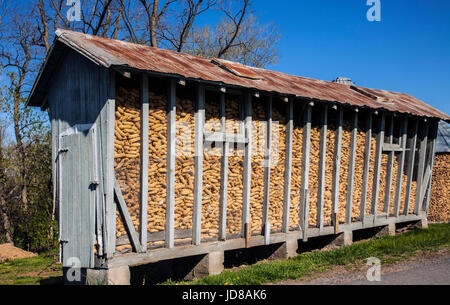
[77, 94]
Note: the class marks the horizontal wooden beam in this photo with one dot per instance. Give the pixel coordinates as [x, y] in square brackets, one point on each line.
[239, 243]
[389, 147]
[221, 137]
[156, 236]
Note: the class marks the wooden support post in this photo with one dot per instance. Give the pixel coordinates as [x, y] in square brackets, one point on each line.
[435, 127]
[365, 179]
[336, 169]
[410, 167]
[198, 164]
[390, 165]
[421, 167]
[247, 234]
[110, 205]
[267, 163]
[288, 165]
[305, 221]
[322, 166]
[223, 174]
[171, 158]
[377, 166]
[247, 161]
[401, 165]
[144, 162]
[133, 237]
[351, 168]
[306, 148]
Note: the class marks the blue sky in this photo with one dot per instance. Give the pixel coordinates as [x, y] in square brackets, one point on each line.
[407, 51]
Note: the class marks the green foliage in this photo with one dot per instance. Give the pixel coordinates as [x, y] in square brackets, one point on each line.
[29, 271]
[387, 248]
[33, 234]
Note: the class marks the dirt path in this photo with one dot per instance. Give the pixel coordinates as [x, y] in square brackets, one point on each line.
[426, 268]
[8, 251]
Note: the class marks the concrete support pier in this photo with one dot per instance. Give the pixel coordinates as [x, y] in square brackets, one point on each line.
[209, 264]
[285, 250]
[387, 230]
[342, 239]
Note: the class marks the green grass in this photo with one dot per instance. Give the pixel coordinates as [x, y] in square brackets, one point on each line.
[29, 271]
[388, 249]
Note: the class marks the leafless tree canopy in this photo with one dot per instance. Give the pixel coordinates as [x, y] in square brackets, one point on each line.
[232, 29]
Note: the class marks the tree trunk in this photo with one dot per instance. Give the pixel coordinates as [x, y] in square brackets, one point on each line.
[6, 222]
[153, 24]
[19, 143]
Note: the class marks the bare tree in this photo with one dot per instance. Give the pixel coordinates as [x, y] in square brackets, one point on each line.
[253, 44]
[154, 14]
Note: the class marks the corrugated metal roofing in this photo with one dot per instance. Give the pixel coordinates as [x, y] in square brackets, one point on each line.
[443, 138]
[114, 53]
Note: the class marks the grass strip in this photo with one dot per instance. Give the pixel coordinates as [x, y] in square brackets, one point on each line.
[388, 249]
[28, 271]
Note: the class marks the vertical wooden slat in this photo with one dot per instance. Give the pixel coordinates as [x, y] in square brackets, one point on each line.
[410, 167]
[322, 166]
[306, 149]
[336, 169]
[198, 164]
[401, 165]
[365, 179]
[377, 166]
[288, 165]
[170, 175]
[390, 164]
[351, 168]
[267, 155]
[109, 167]
[144, 161]
[247, 161]
[421, 167]
[435, 127]
[223, 174]
[305, 215]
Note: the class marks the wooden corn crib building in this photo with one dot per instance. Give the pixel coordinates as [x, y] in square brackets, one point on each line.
[159, 155]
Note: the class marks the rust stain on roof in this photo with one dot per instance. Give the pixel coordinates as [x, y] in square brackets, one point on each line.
[118, 53]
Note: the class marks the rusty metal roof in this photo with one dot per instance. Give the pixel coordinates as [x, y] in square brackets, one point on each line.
[115, 53]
